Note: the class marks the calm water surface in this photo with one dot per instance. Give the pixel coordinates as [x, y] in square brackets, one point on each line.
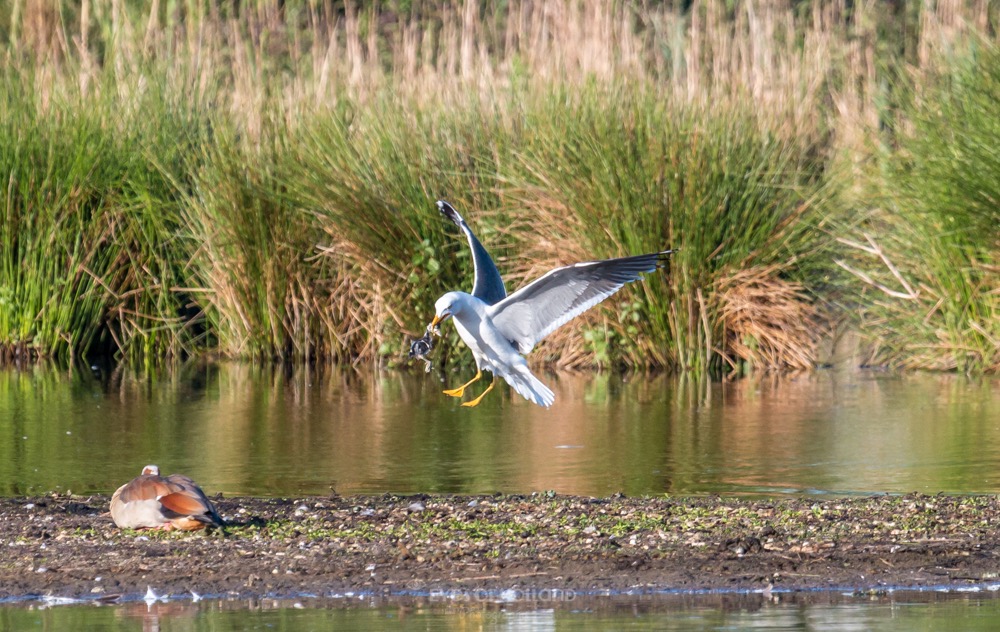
[902, 613]
[239, 429]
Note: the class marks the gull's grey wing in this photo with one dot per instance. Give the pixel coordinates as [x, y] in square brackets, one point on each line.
[488, 286]
[544, 305]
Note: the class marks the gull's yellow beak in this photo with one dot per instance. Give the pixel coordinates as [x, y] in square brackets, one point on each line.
[438, 319]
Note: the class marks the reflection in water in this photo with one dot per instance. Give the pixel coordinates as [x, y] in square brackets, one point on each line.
[901, 612]
[241, 429]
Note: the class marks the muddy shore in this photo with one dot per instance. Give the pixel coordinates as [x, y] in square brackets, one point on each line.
[67, 546]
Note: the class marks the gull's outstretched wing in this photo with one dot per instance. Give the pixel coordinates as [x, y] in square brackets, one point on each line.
[544, 305]
[488, 286]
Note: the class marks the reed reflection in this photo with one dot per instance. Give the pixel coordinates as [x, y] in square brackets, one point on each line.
[244, 429]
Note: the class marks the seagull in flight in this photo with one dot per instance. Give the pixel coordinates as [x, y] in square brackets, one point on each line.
[500, 330]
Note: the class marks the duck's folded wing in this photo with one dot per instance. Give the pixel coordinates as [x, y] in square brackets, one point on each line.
[182, 503]
[530, 314]
[142, 488]
[187, 499]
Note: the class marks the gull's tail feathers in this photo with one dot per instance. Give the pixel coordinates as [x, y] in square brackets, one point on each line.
[530, 387]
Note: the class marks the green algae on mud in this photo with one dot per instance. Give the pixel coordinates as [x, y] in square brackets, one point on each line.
[383, 545]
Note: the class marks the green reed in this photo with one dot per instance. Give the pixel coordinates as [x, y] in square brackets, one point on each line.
[249, 250]
[369, 178]
[552, 178]
[87, 263]
[612, 172]
[929, 260]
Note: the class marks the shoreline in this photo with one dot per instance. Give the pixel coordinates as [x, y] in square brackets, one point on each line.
[61, 546]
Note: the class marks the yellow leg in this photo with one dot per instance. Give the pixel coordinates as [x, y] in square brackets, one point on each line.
[458, 392]
[475, 402]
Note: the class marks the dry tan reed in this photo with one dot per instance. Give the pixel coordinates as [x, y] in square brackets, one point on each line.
[767, 321]
[789, 62]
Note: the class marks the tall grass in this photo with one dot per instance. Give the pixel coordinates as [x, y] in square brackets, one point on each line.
[638, 173]
[87, 264]
[369, 177]
[635, 174]
[257, 179]
[930, 275]
[250, 253]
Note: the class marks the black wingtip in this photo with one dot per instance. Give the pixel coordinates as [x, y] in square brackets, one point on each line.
[663, 257]
[449, 211]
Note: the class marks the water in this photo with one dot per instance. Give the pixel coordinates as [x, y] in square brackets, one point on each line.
[237, 429]
[904, 612]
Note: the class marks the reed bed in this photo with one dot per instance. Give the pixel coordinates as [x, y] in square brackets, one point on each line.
[87, 264]
[257, 179]
[928, 258]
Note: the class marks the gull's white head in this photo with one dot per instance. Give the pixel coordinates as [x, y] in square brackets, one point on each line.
[150, 470]
[448, 305]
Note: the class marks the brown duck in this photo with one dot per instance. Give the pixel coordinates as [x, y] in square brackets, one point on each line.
[151, 501]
